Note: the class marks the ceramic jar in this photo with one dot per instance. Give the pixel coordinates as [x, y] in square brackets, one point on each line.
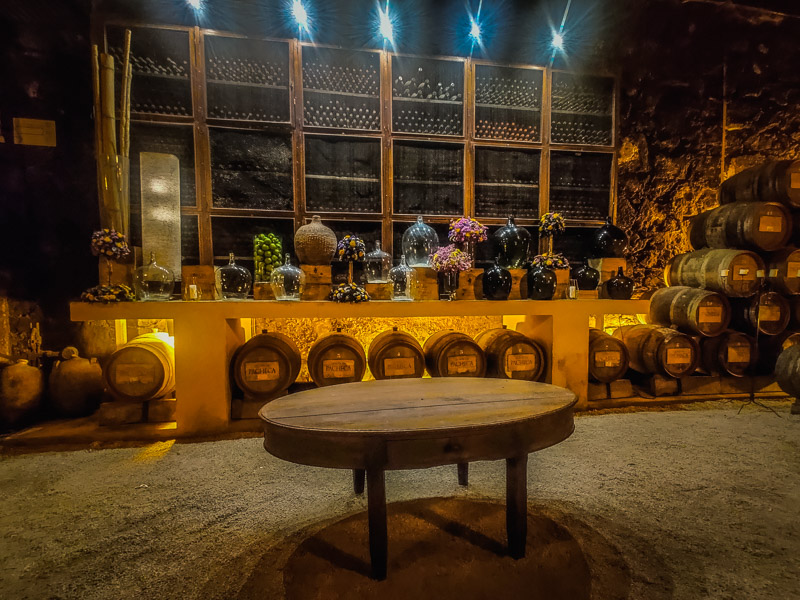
[314, 243]
[619, 287]
[496, 283]
[513, 244]
[609, 241]
[542, 283]
[587, 277]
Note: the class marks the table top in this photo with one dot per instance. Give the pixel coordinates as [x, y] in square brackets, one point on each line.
[402, 423]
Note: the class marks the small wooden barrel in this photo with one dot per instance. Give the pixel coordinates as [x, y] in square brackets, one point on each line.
[266, 366]
[732, 353]
[770, 348]
[450, 353]
[764, 226]
[783, 271]
[142, 369]
[511, 355]
[733, 273]
[336, 358]
[693, 311]
[767, 314]
[777, 181]
[658, 350]
[794, 313]
[608, 357]
[787, 371]
[395, 355]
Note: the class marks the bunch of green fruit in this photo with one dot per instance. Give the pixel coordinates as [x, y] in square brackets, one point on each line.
[268, 254]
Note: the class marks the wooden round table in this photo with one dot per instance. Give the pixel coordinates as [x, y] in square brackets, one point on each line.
[417, 423]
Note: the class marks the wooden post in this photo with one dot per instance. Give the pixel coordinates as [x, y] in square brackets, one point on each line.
[376, 509]
[463, 474]
[517, 505]
[358, 480]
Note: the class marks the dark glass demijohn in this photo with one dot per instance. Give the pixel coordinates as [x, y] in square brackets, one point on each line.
[541, 283]
[496, 283]
[512, 243]
[619, 287]
[587, 277]
[609, 241]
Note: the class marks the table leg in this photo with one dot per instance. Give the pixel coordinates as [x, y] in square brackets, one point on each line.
[463, 473]
[376, 509]
[517, 505]
[358, 480]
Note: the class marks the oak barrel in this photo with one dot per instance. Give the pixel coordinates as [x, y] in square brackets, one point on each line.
[608, 357]
[451, 353]
[794, 313]
[395, 355]
[783, 271]
[787, 371]
[266, 365]
[142, 369]
[767, 313]
[693, 311]
[763, 226]
[776, 181]
[336, 358]
[770, 348]
[732, 353]
[659, 350]
[511, 355]
[734, 273]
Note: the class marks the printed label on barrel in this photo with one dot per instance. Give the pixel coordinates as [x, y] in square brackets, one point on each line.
[607, 359]
[262, 371]
[795, 181]
[392, 367]
[520, 362]
[709, 314]
[739, 354]
[466, 363]
[744, 274]
[769, 312]
[338, 369]
[679, 356]
[128, 373]
[769, 223]
[793, 269]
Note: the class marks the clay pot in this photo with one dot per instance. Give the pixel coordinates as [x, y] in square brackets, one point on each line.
[314, 243]
[542, 283]
[609, 241]
[619, 287]
[496, 283]
[587, 277]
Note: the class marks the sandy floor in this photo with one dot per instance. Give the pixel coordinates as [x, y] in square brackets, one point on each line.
[684, 504]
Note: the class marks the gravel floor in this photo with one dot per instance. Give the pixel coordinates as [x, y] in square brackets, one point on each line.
[699, 503]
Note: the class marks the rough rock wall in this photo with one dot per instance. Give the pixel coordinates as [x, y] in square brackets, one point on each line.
[682, 63]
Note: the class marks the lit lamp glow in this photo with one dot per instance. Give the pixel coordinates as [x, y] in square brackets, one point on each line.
[300, 14]
[385, 24]
[195, 4]
[475, 31]
[558, 41]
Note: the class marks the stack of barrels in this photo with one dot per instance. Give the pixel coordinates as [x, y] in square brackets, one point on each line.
[733, 303]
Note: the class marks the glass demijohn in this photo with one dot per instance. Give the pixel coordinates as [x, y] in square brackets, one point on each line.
[378, 265]
[419, 242]
[153, 282]
[234, 281]
[287, 281]
[402, 278]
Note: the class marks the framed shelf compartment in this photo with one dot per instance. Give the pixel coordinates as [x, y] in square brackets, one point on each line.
[582, 108]
[341, 88]
[427, 96]
[343, 174]
[251, 170]
[160, 67]
[507, 182]
[246, 79]
[428, 178]
[580, 184]
[235, 234]
[508, 103]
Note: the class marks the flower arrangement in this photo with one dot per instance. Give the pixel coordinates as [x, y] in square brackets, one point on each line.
[109, 244]
[450, 259]
[467, 230]
[551, 224]
[348, 292]
[551, 261]
[108, 293]
[350, 248]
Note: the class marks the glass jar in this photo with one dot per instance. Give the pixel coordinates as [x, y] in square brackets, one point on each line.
[402, 278]
[287, 281]
[233, 281]
[152, 282]
[378, 265]
[419, 242]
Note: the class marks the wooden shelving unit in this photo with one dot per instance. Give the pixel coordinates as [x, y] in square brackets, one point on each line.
[271, 131]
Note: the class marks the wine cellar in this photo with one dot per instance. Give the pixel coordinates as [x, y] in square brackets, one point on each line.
[269, 132]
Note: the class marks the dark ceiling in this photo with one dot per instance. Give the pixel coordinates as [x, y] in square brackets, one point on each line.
[789, 7]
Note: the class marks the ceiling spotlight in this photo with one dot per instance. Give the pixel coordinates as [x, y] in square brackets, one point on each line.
[558, 41]
[475, 31]
[195, 4]
[300, 14]
[385, 24]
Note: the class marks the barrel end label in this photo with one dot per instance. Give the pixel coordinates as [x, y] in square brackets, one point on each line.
[793, 269]
[739, 354]
[262, 371]
[338, 369]
[770, 224]
[769, 312]
[128, 373]
[795, 181]
[394, 367]
[465, 363]
[520, 362]
[608, 358]
[679, 356]
[709, 314]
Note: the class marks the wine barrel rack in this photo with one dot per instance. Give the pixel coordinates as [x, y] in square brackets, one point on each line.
[266, 366]
[395, 354]
[759, 226]
[143, 369]
[733, 273]
[608, 357]
[693, 311]
[767, 314]
[783, 271]
[776, 181]
[451, 353]
[511, 355]
[336, 358]
[659, 350]
[731, 353]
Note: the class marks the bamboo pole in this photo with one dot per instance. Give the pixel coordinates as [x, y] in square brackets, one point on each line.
[125, 137]
[111, 175]
[98, 137]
